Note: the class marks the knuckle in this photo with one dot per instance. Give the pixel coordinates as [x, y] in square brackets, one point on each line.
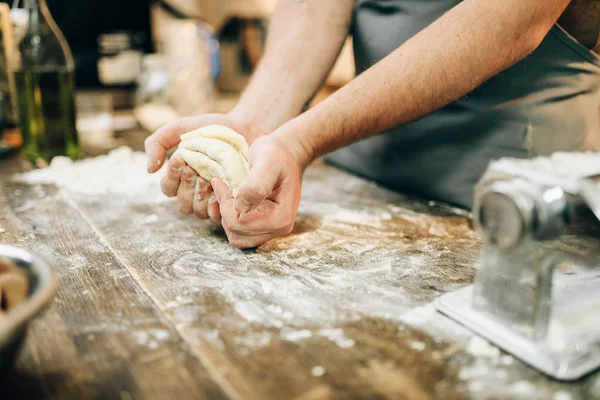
[260, 190]
[189, 177]
[203, 188]
[174, 171]
[199, 199]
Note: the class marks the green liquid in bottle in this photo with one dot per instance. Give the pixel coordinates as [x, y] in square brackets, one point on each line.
[46, 100]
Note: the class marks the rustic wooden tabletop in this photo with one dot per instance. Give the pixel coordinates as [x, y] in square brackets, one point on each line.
[153, 304]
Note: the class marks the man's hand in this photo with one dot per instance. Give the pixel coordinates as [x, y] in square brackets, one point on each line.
[194, 193]
[266, 203]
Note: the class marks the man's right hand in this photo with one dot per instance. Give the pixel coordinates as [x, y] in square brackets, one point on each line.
[194, 193]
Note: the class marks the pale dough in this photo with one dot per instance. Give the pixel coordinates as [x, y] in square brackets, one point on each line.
[216, 151]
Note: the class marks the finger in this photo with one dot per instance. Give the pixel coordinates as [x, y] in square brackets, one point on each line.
[160, 142]
[241, 241]
[268, 217]
[185, 193]
[258, 185]
[213, 210]
[202, 192]
[172, 178]
[222, 191]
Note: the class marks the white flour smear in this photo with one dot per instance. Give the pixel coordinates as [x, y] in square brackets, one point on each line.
[342, 267]
[352, 255]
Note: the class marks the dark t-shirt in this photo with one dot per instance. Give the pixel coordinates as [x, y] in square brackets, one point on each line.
[547, 102]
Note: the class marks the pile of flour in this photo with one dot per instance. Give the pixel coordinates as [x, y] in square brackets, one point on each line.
[120, 173]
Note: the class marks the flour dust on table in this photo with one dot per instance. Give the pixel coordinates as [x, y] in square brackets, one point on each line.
[358, 253]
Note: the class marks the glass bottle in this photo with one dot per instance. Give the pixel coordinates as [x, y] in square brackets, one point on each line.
[45, 88]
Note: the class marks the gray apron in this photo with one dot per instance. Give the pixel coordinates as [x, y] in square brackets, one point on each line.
[547, 102]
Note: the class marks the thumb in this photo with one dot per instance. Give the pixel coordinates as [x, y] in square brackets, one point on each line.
[159, 143]
[222, 191]
[258, 185]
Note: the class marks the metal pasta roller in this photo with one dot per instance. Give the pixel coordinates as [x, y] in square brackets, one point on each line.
[537, 290]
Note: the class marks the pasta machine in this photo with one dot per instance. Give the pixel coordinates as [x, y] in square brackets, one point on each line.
[536, 294]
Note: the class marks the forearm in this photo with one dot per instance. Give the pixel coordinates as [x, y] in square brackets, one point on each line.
[469, 44]
[304, 40]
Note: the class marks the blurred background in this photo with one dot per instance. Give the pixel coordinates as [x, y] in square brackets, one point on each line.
[141, 63]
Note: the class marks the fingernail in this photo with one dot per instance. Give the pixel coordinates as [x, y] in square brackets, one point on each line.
[242, 205]
[149, 163]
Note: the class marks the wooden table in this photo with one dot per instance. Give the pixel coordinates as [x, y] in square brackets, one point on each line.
[153, 304]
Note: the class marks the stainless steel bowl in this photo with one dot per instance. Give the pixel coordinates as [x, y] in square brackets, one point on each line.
[42, 286]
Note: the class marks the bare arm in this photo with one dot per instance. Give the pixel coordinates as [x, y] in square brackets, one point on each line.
[468, 45]
[304, 40]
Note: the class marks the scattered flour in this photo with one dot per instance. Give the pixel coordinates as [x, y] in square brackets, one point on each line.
[420, 346]
[296, 336]
[522, 388]
[151, 337]
[77, 261]
[338, 337]
[290, 285]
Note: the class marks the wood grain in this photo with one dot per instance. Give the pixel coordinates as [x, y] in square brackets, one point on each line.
[102, 337]
[154, 304]
[185, 268]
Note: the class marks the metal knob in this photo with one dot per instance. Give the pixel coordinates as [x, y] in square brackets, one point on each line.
[509, 211]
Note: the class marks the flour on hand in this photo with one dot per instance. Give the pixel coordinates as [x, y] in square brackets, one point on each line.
[216, 151]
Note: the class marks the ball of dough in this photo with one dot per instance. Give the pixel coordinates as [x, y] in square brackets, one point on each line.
[216, 151]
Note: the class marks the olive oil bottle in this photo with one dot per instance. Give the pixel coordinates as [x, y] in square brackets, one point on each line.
[45, 89]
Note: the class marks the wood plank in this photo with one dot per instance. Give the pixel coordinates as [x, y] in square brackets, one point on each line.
[102, 337]
[244, 313]
[321, 313]
[339, 309]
